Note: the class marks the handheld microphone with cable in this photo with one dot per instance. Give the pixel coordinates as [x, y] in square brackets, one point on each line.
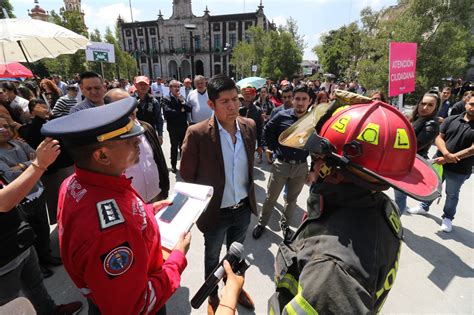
[234, 257]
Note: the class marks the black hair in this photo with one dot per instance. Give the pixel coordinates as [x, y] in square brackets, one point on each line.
[10, 87]
[433, 94]
[88, 75]
[219, 83]
[286, 89]
[303, 88]
[82, 155]
[34, 102]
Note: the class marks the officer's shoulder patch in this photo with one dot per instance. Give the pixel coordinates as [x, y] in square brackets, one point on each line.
[109, 213]
[118, 260]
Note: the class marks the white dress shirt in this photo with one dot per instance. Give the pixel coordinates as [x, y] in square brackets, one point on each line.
[235, 167]
[145, 177]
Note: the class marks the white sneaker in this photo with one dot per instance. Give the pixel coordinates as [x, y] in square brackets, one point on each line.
[417, 210]
[446, 225]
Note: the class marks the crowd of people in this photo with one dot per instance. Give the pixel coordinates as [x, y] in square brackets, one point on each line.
[109, 176]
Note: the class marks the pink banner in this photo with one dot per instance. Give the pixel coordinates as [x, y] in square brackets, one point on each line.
[402, 68]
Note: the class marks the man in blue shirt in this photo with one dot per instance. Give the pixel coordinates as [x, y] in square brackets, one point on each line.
[290, 167]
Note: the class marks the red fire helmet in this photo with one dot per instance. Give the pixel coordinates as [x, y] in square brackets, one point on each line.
[386, 145]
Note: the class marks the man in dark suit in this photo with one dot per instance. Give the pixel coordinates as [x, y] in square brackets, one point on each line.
[220, 152]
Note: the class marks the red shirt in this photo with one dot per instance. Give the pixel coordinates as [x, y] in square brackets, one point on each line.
[110, 245]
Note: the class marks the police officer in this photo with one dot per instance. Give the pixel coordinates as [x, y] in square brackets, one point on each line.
[345, 255]
[109, 238]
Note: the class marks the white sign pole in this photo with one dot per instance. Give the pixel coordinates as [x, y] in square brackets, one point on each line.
[400, 102]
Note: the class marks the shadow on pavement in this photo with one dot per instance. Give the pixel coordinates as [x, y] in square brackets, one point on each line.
[446, 263]
[458, 234]
[259, 250]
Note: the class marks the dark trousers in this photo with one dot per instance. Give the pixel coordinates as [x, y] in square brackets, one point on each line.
[232, 227]
[52, 183]
[27, 277]
[176, 140]
[37, 216]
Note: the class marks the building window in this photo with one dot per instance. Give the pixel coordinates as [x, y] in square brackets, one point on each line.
[153, 43]
[142, 44]
[216, 27]
[197, 42]
[248, 25]
[231, 26]
[143, 59]
[128, 33]
[184, 41]
[155, 59]
[152, 31]
[247, 38]
[130, 44]
[217, 41]
[171, 42]
[140, 32]
[232, 39]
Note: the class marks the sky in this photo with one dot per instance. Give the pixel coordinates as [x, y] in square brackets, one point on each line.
[314, 17]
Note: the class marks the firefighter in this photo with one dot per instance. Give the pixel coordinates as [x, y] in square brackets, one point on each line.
[344, 257]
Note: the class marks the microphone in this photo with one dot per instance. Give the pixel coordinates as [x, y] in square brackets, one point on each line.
[233, 256]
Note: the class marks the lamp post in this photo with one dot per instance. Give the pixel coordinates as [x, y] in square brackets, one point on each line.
[191, 27]
[134, 38]
[227, 50]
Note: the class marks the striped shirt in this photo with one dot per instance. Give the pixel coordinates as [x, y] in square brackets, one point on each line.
[85, 104]
[63, 106]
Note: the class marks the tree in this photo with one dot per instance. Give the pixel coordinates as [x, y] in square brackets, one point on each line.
[440, 28]
[6, 5]
[242, 58]
[282, 57]
[292, 27]
[340, 51]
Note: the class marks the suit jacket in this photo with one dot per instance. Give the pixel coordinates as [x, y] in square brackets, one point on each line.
[202, 163]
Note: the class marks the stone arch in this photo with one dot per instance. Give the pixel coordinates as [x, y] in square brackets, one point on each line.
[173, 69]
[199, 67]
[185, 69]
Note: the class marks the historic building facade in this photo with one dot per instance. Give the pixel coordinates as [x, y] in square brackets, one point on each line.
[186, 45]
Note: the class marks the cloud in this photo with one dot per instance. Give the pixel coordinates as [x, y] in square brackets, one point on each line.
[105, 16]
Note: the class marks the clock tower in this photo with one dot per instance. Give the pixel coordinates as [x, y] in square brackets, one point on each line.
[182, 9]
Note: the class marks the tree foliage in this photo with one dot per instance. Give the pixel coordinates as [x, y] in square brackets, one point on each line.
[5, 4]
[276, 53]
[440, 28]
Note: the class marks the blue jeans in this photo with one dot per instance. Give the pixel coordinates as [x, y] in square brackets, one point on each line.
[233, 224]
[454, 182]
[401, 201]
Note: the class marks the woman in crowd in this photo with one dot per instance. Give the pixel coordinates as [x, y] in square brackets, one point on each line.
[424, 121]
[322, 97]
[19, 268]
[263, 101]
[378, 96]
[17, 106]
[51, 91]
[15, 157]
[25, 92]
[275, 96]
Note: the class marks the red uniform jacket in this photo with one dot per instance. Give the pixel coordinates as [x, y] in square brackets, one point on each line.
[110, 245]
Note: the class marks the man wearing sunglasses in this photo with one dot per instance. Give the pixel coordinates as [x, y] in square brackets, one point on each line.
[92, 87]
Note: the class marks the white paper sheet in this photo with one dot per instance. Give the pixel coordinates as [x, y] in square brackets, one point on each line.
[198, 199]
